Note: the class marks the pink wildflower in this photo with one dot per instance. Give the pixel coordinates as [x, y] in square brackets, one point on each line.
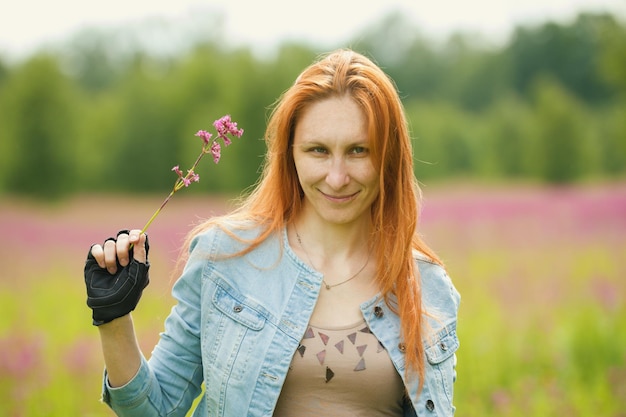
[193, 176]
[190, 177]
[177, 170]
[216, 152]
[206, 136]
[226, 126]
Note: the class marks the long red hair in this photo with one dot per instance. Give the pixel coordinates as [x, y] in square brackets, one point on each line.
[276, 199]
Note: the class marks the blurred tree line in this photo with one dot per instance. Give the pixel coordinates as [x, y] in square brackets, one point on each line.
[97, 114]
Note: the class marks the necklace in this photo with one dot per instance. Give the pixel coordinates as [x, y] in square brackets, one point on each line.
[327, 285]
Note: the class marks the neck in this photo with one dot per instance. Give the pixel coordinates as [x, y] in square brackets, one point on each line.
[341, 252]
[328, 241]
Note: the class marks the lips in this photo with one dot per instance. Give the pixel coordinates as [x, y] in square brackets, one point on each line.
[340, 198]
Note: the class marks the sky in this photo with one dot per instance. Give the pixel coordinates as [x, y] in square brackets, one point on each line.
[27, 25]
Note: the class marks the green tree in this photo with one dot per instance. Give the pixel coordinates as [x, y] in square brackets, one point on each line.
[561, 133]
[446, 141]
[4, 71]
[148, 129]
[478, 75]
[98, 141]
[38, 108]
[571, 54]
[509, 138]
[610, 139]
[612, 60]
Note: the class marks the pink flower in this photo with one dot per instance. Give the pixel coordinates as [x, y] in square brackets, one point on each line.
[226, 126]
[193, 176]
[177, 170]
[206, 136]
[216, 152]
[190, 177]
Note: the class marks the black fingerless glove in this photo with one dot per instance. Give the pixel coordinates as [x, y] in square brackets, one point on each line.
[114, 295]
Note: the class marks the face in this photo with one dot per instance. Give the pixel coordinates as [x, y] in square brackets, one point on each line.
[333, 162]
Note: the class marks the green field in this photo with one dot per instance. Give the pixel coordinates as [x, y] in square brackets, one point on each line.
[541, 271]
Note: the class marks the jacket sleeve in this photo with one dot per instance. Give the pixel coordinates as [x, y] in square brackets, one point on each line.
[171, 379]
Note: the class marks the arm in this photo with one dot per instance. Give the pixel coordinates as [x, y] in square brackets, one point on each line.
[170, 381]
[119, 344]
[122, 356]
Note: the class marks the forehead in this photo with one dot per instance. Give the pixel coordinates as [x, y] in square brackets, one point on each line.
[334, 118]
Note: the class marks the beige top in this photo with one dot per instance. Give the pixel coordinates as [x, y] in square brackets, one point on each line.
[341, 372]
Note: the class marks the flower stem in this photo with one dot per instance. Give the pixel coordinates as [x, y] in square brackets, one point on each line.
[224, 127]
[156, 213]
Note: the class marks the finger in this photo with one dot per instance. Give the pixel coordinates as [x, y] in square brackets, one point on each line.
[110, 256]
[122, 249]
[98, 254]
[138, 240]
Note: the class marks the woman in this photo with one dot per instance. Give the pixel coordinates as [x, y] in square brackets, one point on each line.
[317, 295]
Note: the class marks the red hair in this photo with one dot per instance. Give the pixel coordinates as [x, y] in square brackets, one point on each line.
[276, 199]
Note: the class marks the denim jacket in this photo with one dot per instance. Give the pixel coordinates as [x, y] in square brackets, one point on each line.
[239, 320]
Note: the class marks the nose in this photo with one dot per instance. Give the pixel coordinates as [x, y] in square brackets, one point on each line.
[337, 175]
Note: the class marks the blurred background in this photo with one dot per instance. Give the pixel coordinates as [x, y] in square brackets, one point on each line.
[518, 114]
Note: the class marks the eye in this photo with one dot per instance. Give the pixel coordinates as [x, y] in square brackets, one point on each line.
[318, 149]
[358, 150]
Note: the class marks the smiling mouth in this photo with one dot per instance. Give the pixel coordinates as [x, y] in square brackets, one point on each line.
[340, 198]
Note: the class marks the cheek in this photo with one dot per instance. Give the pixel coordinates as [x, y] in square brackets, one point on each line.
[307, 172]
[368, 176]
[371, 181]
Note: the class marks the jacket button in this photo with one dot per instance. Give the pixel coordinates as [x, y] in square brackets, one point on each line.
[237, 309]
[378, 311]
[443, 346]
[430, 405]
[402, 347]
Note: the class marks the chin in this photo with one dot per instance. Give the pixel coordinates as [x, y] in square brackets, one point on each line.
[342, 218]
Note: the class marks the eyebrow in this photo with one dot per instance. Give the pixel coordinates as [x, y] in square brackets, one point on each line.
[322, 142]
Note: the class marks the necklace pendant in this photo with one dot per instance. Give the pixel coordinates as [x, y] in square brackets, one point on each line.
[327, 286]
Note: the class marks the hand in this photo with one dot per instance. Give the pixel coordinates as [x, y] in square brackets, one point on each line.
[116, 274]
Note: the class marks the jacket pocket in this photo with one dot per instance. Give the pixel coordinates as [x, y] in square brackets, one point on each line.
[443, 345]
[238, 308]
[233, 329]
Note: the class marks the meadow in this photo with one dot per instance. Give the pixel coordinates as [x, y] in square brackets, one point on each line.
[541, 271]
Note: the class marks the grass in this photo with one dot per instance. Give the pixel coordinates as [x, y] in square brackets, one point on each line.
[541, 272]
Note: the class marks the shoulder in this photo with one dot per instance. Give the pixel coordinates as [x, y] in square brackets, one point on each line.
[223, 236]
[439, 295]
[228, 242]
